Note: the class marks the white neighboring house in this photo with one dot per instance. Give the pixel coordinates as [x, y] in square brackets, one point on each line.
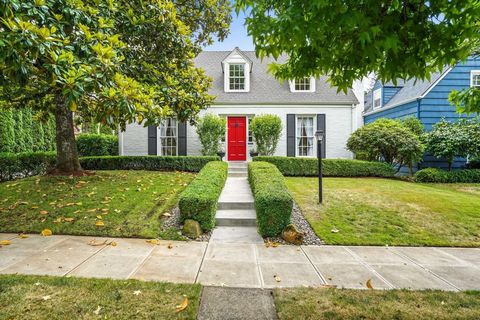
[244, 89]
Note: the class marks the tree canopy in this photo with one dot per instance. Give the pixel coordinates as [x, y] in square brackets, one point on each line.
[114, 61]
[349, 39]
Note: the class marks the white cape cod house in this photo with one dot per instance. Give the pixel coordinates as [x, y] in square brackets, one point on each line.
[244, 89]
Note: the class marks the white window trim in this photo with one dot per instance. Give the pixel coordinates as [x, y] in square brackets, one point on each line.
[379, 91]
[159, 141]
[472, 74]
[312, 86]
[314, 151]
[226, 73]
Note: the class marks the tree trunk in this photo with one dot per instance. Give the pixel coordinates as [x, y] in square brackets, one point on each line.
[67, 154]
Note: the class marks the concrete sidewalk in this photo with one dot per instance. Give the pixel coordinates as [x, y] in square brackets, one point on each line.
[244, 265]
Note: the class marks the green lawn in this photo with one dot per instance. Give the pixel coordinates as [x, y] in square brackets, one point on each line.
[35, 297]
[320, 303]
[127, 203]
[368, 211]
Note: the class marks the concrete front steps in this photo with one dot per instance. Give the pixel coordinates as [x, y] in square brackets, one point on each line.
[236, 217]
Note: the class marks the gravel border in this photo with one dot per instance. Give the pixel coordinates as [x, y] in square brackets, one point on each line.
[174, 222]
[310, 238]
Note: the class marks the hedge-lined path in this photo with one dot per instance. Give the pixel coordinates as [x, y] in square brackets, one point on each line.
[236, 218]
[243, 265]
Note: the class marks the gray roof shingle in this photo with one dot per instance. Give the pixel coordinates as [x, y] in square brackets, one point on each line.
[264, 88]
[411, 89]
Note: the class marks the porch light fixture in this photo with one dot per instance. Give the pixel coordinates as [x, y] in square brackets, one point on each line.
[319, 136]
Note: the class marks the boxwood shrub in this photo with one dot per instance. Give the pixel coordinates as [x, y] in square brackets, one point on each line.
[21, 165]
[199, 200]
[97, 145]
[153, 163]
[441, 176]
[307, 167]
[273, 202]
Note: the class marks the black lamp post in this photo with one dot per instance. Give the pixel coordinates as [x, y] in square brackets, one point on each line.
[319, 137]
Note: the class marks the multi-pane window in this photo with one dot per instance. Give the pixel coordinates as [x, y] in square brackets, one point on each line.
[475, 78]
[302, 84]
[305, 136]
[236, 76]
[168, 137]
[377, 98]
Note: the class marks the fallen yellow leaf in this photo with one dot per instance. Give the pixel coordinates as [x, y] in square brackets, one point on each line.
[5, 242]
[183, 306]
[95, 244]
[44, 212]
[99, 223]
[369, 284]
[153, 241]
[99, 217]
[277, 278]
[46, 232]
[23, 236]
[69, 219]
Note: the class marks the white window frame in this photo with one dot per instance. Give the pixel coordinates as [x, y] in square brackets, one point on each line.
[377, 95]
[312, 85]
[314, 125]
[474, 73]
[246, 68]
[160, 138]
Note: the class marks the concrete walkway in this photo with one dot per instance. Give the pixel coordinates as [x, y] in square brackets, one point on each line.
[244, 265]
[236, 218]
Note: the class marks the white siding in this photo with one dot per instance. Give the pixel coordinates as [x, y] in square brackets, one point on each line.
[339, 124]
[135, 140]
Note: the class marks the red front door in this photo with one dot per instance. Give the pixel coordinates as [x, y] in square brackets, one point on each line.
[237, 139]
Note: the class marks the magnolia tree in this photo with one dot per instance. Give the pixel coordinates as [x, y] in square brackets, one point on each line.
[350, 39]
[266, 131]
[211, 129]
[113, 61]
[389, 141]
[448, 140]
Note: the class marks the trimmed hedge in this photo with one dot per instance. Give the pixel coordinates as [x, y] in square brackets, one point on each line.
[273, 202]
[151, 163]
[20, 165]
[97, 145]
[307, 167]
[441, 176]
[199, 200]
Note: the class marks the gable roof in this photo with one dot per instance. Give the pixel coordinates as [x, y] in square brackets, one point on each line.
[411, 90]
[264, 88]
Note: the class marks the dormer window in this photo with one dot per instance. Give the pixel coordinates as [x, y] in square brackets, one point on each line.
[236, 70]
[303, 85]
[475, 79]
[377, 98]
[236, 78]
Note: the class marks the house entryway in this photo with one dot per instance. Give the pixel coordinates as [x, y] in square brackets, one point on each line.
[237, 139]
[236, 218]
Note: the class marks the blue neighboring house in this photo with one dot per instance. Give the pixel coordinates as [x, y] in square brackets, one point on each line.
[425, 100]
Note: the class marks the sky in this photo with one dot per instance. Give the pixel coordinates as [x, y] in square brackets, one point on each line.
[237, 38]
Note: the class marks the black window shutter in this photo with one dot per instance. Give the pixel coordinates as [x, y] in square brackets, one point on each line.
[152, 140]
[291, 135]
[321, 125]
[182, 139]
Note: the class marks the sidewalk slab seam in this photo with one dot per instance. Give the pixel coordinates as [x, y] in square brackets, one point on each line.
[368, 266]
[426, 269]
